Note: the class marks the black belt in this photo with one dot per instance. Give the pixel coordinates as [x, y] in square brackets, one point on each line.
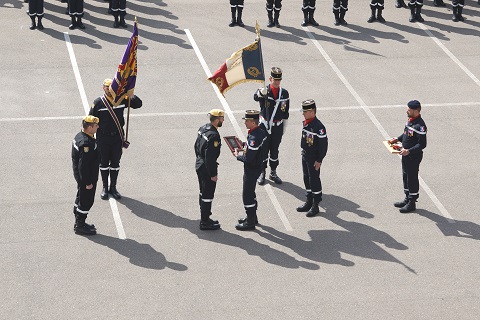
[111, 134]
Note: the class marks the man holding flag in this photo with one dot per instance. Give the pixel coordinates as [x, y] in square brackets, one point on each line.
[118, 95]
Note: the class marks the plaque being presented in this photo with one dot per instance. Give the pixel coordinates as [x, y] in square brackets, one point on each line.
[233, 143]
[393, 148]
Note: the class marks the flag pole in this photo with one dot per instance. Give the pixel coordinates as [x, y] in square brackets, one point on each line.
[128, 119]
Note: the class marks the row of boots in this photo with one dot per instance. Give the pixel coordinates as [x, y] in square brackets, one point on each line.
[436, 3]
[36, 25]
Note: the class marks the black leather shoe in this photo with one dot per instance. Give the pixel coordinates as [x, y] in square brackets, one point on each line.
[243, 220]
[261, 179]
[123, 24]
[104, 194]
[371, 19]
[81, 25]
[116, 24]
[240, 23]
[409, 207]
[232, 23]
[304, 207]
[313, 211]
[207, 225]
[402, 203]
[313, 22]
[270, 23]
[113, 191]
[85, 230]
[40, 25]
[213, 221]
[245, 226]
[273, 176]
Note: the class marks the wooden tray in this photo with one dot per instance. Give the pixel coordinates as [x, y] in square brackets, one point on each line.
[390, 148]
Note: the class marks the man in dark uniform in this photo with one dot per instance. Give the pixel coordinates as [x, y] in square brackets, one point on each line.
[85, 159]
[414, 140]
[75, 10]
[252, 167]
[207, 150]
[457, 8]
[308, 9]
[340, 7]
[35, 9]
[374, 6]
[274, 106]
[416, 10]
[119, 9]
[271, 6]
[236, 6]
[314, 145]
[110, 137]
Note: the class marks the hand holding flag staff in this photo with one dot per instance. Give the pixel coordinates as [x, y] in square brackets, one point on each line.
[123, 84]
[245, 65]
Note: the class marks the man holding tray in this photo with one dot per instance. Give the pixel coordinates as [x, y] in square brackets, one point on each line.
[414, 140]
[252, 167]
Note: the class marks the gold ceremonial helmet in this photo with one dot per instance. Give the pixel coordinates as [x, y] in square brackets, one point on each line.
[107, 82]
[91, 119]
[217, 113]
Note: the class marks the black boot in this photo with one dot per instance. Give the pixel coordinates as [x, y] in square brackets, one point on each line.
[337, 21]
[307, 205]
[81, 227]
[409, 207]
[379, 15]
[459, 11]
[113, 184]
[249, 222]
[116, 23]
[273, 176]
[275, 18]
[33, 26]
[372, 17]
[455, 14]
[39, 24]
[239, 17]
[123, 24]
[413, 16]
[439, 3]
[73, 24]
[402, 203]
[400, 4]
[261, 179]
[270, 19]
[312, 19]
[233, 22]
[314, 209]
[418, 14]
[104, 174]
[80, 23]
[305, 18]
[242, 220]
[342, 16]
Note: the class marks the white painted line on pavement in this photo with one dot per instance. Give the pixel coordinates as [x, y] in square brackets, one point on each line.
[435, 39]
[86, 106]
[238, 131]
[372, 117]
[73, 60]
[176, 114]
[116, 217]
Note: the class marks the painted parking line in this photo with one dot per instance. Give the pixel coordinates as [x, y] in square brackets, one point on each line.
[86, 106]
[238, 131]
[374, 120]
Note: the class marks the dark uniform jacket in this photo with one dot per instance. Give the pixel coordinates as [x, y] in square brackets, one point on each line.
[253, 148]
[207, 149]
[314, 141]
[107, 124]
[85, 159]
[274, 111]
[414, 136]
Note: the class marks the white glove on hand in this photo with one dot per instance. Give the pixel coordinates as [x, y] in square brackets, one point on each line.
[285, 121]
[262, 91]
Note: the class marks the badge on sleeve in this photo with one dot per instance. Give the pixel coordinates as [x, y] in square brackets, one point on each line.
[215, 144]
[86, 149]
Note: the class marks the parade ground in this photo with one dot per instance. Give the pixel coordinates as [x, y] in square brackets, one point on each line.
[360, 258]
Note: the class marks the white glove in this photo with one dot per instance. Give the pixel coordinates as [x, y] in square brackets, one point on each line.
[285, 121]
[262, 91]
